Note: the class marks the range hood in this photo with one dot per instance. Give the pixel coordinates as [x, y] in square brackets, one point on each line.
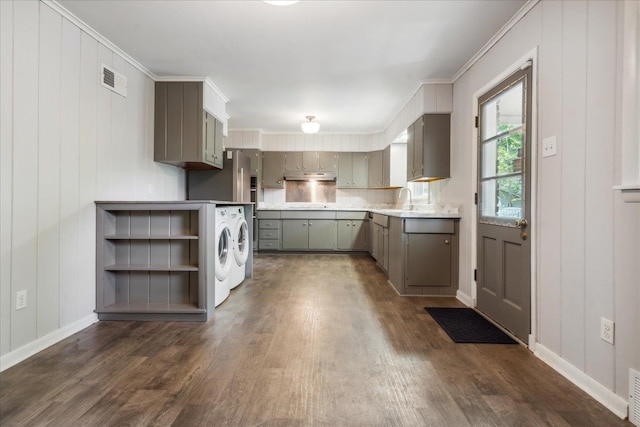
[310, 176]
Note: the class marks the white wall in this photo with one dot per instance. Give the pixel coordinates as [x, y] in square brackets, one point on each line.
[588, 239]
[66, 141]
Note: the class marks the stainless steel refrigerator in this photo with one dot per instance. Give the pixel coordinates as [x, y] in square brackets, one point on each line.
[232, 183]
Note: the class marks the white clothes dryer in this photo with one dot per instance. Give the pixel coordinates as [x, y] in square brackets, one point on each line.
[241, 238]
[223, 254]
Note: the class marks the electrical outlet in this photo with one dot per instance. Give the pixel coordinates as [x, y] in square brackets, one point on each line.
[549, 146]
[21, 299]
[606, 330]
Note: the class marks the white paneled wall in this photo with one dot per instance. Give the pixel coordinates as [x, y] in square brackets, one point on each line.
[429, 98]
[588, 240]
[66, 142]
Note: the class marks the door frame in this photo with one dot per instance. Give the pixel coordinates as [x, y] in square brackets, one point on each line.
[532, 56]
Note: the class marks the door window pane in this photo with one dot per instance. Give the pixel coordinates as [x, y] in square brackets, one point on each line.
[503, 112]
[502, 155]
[502, 197]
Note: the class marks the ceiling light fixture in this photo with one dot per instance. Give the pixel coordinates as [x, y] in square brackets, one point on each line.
[281, 3]
[310, 126]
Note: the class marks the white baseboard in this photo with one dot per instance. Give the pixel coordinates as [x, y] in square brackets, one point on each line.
[464, 298]
[16, 356]
[608, 398]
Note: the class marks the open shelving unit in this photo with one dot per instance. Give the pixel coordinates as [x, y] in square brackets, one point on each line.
[151, 261]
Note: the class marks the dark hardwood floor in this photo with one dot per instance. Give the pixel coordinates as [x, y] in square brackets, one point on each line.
[311, 340]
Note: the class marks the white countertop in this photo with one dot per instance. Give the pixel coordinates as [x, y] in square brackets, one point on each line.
[427, 211]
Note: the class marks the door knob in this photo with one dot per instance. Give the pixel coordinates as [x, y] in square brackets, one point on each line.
[522, 223]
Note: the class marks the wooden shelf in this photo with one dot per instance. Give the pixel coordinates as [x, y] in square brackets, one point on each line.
[144, 237]
[147, 267]
[152, 308]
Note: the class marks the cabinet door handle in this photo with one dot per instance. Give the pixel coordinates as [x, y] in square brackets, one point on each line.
[310, 224]
[446, 242]
[348, 224]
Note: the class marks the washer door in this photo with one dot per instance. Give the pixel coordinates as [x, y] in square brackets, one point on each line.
[223, 251]
[241, 242]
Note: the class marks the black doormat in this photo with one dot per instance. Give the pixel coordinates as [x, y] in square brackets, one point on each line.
[464, 325]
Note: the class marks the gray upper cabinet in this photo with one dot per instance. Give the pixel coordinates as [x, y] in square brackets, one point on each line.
[273, 164]
[326, 161]
[428, 147]
[293, 161]
[359, 171]
[375, 173]
[352, 170]
[185, 135]
[310, 161]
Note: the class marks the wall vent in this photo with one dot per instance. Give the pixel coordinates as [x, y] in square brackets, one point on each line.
[634, 397]
[114, 81]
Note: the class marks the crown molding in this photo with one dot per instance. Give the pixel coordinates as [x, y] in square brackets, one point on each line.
[124, 55]
[98, 37]
[318, 133]
[436, 82]
[496, 38]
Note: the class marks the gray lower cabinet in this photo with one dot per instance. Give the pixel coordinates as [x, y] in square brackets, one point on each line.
[352, 234]
[269, 230]
[312, 234]
[381, 240]
[322, 234]
[423, 256]
[295, 234]
[353, 230]
[427, 260]
[152, 261]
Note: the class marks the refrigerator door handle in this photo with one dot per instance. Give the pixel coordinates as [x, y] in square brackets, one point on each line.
[242, 185]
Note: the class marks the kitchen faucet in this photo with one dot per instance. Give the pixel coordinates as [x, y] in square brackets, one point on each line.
[410, 196]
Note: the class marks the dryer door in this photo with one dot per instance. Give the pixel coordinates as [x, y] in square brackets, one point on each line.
[223, 251]
[241, 241]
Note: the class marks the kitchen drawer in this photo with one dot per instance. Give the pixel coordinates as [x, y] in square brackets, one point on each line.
[308, 214]
[269, 234]
[352, 215]
[382, 220]
[424, 226]
[268, 214]
[266, 244]
[271, 224]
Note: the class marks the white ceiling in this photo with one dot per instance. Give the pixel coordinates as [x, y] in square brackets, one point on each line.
[352, 64]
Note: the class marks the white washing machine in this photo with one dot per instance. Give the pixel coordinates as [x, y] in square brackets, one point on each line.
[240, 234]
[224, 255]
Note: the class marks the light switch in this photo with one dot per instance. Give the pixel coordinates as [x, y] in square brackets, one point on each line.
[549, 146]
